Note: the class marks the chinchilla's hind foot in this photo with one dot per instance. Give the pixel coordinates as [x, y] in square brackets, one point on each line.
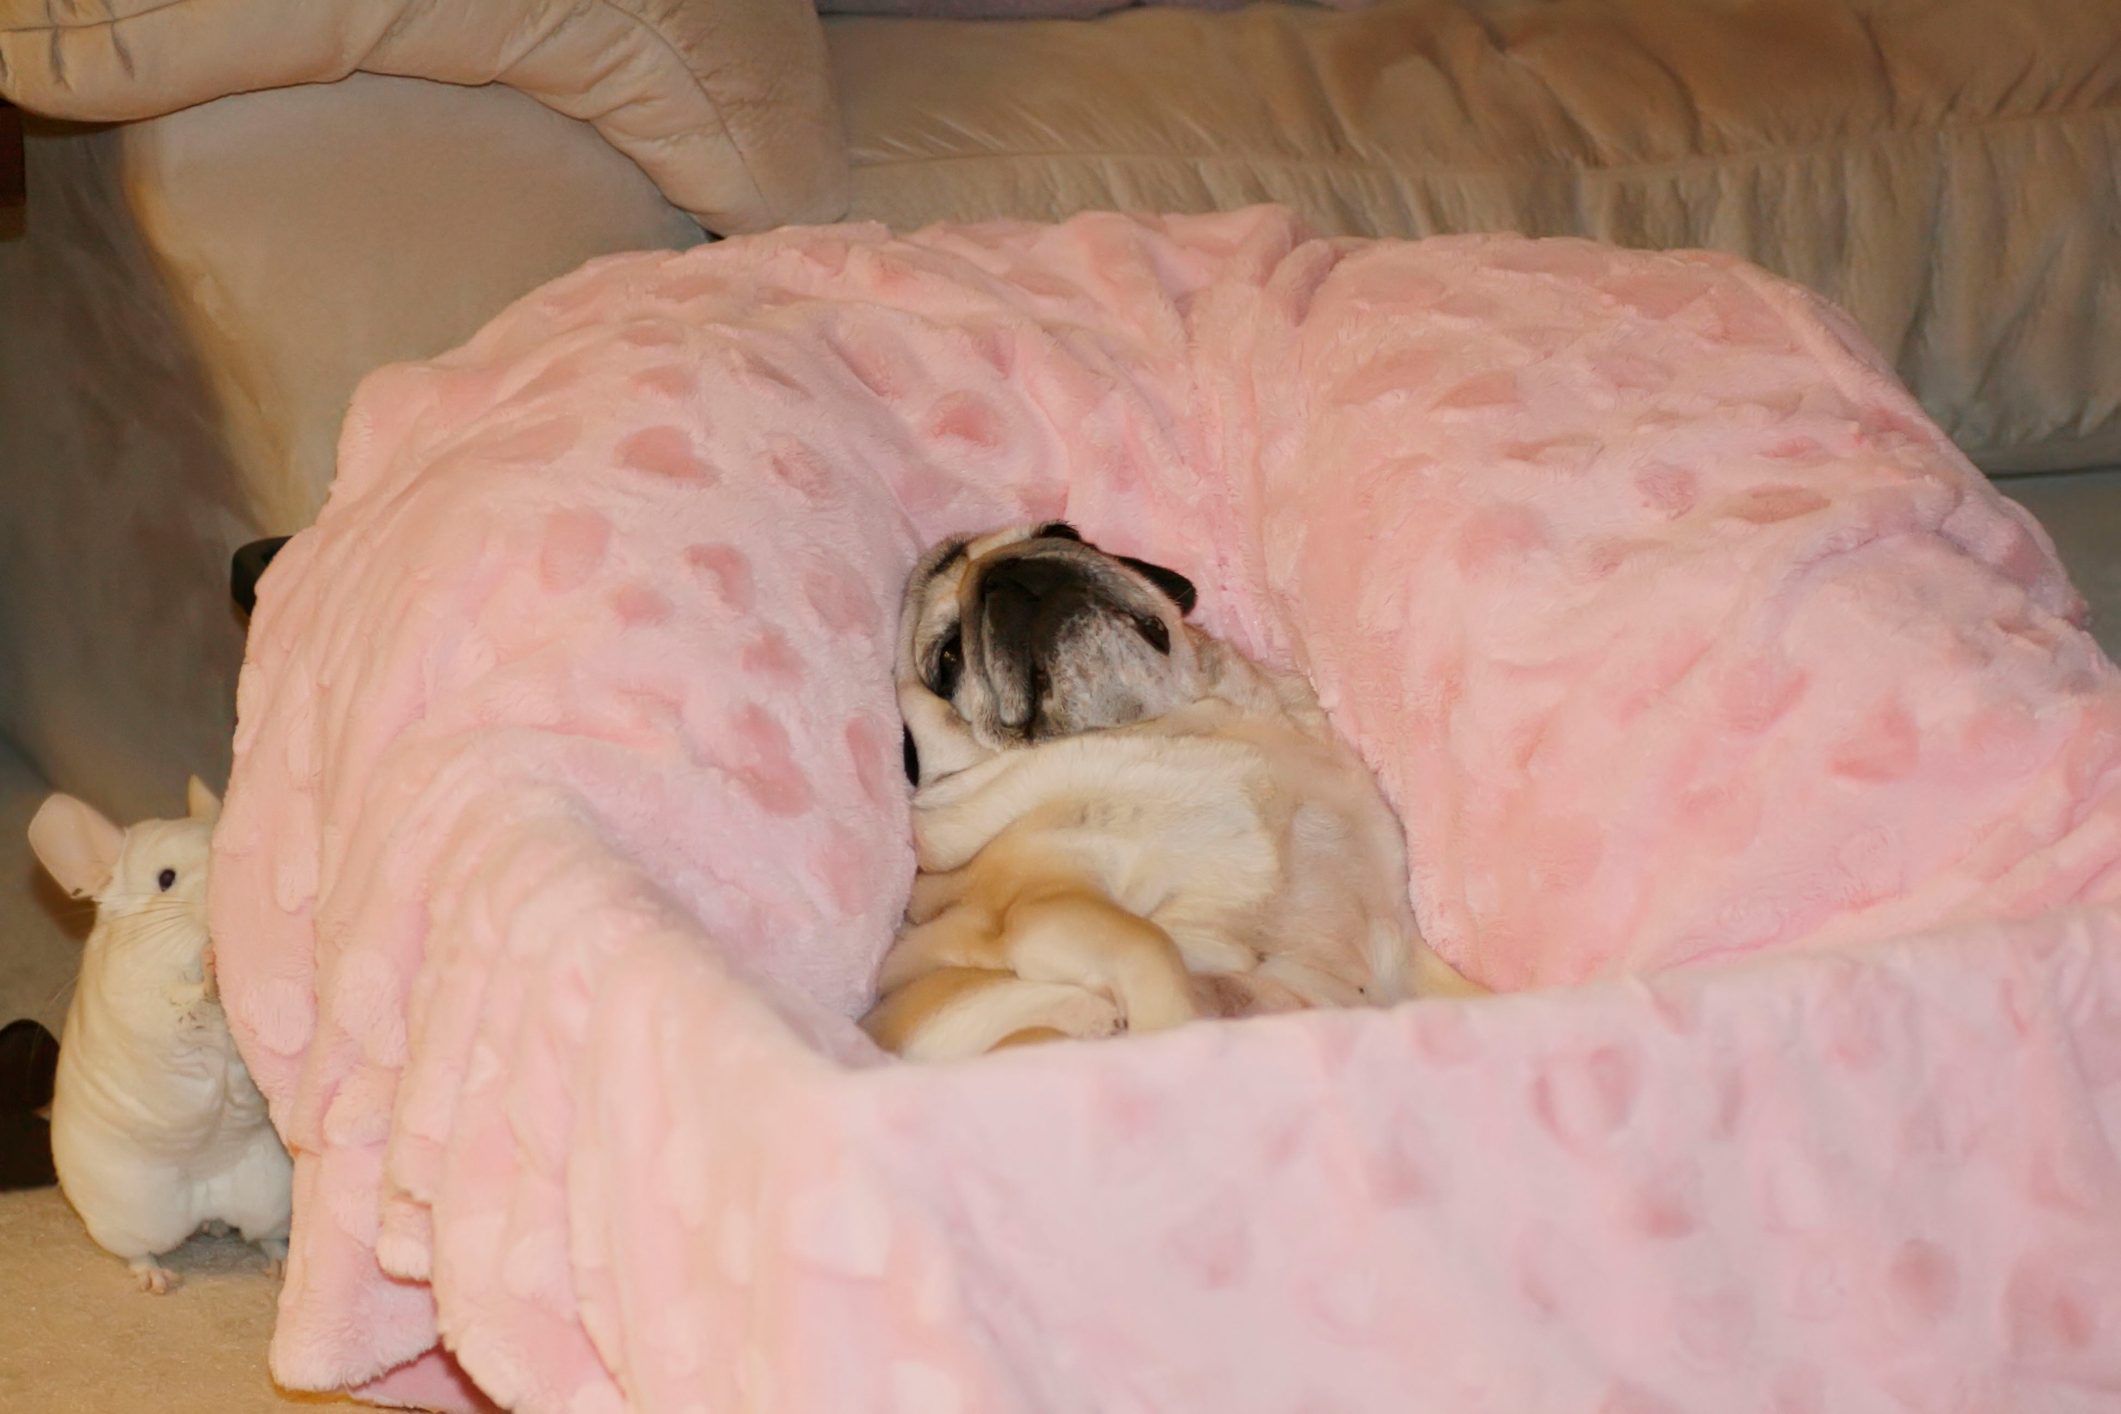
[154, 1278]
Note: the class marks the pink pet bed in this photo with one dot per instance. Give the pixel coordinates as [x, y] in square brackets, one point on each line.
[1738, 727]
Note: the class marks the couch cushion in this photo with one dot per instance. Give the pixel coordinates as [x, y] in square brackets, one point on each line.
[723, 102]
[1945, 169]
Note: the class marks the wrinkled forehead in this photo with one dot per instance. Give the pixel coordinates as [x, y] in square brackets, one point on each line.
[941, 573]
[981, 546]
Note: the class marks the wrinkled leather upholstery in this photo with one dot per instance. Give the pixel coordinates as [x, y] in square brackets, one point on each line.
[723, 102]
[1949, 170]
[182, 321]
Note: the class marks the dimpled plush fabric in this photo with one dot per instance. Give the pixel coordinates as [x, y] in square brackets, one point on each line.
[568, 824]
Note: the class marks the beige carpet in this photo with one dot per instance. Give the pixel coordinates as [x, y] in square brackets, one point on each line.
[82, 1338]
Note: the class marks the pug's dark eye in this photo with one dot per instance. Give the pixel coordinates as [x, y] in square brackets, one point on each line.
[949, 664]
[167, 879]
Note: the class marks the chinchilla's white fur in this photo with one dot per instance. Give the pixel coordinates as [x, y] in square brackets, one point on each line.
[157, 1129]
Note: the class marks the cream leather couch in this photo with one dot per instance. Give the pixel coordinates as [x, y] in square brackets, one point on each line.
[303, 189]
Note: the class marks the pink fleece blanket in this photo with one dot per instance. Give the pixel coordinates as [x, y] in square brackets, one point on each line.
[567, 826]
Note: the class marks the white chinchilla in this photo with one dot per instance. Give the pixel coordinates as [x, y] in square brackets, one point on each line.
[157, 1128]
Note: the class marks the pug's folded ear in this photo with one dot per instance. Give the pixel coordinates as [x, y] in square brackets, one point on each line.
[1174, 585]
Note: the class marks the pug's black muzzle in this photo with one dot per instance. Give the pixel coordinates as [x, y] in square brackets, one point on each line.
[1029, 607]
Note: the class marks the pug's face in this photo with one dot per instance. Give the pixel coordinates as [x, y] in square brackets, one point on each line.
[1028, 634]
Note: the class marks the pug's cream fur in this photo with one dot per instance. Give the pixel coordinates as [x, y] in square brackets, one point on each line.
[1121, 822]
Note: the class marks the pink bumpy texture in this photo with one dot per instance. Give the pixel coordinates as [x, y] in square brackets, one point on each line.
[568, 825]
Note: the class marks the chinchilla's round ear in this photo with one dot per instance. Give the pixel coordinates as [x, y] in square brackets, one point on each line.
[74, 841]
[201, 801]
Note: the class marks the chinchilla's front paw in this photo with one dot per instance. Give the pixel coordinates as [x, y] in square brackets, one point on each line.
[185, 996]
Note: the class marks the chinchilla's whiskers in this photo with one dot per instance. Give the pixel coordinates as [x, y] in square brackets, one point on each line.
[154, 925]
[157, 899]
[157, 908]
[143, 930]
[64, 988]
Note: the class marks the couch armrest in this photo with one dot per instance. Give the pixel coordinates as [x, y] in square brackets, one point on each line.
[190, 302]
[726, 104]
[309, 235]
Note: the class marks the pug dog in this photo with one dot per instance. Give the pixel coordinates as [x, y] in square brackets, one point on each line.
[1122, 823]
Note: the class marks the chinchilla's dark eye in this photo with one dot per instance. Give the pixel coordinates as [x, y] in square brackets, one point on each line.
[949, 664]
[167, 879]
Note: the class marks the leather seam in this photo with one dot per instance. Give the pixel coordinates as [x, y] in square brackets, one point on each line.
[1387, 170]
